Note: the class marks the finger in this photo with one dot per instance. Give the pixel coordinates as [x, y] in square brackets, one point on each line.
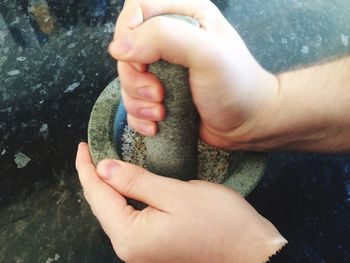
[140, 85]
[135, 13]
[137, 183]
[109, 206]
[146, 128]
[143, 44]
[139, 67]
[143, 109]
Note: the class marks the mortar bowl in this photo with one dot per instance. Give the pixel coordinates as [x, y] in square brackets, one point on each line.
[244, 169]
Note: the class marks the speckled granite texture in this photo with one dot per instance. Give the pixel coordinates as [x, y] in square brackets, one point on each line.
[173, 151]
[49, 81]
[244, 169]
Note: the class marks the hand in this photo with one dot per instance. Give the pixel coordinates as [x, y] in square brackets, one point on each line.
[184, 222]
[229, 87]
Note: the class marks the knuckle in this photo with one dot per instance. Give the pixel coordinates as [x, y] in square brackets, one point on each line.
[131, 105]
[127, 102]
[133, 110]
[129, 83]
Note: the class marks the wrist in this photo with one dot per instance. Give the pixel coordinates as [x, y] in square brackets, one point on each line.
[254, 132]
[308, 113]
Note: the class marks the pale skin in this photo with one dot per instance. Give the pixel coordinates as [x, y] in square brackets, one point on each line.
[241, 106]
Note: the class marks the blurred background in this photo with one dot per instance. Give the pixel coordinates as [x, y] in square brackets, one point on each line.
[53, 66]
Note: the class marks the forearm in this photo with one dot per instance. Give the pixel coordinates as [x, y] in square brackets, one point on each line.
[310, 112]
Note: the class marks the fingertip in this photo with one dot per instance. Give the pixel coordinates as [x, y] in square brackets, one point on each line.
[82, 145]
[107, 168]
[162, 113]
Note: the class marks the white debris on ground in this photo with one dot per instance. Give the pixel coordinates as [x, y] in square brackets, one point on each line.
[72, 87]
[55, 258]
[347, 187]
[69, 32]
[109, 27]
[305, 50]
[3, 152]
[344, 39]
[13, 72]
[72, 45]
[213, 163]
[21, 59]
[21, 160]
[44, 130]
[8, 110]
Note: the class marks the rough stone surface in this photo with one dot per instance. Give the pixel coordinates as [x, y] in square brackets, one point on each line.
[100, 129]
[173, 151]
[213, 163]
[244, 171]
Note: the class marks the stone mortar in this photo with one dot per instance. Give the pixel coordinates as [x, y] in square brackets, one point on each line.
[173, 152]
[246, 168]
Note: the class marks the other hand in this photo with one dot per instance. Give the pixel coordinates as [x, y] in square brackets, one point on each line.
[191, 221]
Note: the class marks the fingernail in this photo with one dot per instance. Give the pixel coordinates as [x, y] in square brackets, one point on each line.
[108, 170]
[148, 113]
[146, 92]
[146, 129]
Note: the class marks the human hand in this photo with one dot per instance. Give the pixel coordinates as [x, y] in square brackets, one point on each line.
[230, 89]
[192, 221]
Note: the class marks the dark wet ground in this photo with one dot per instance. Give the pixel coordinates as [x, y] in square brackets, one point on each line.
[54, 65]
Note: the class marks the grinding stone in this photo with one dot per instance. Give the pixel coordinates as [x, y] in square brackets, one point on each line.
[173, 151]
[246, 168]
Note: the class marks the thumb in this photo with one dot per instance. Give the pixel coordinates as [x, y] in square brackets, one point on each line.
[139, 184]
[166, 38]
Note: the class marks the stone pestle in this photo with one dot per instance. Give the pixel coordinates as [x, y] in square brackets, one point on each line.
[173, 151]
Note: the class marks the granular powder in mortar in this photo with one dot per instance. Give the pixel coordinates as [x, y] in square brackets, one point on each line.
[213, 163]
[133, 147]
